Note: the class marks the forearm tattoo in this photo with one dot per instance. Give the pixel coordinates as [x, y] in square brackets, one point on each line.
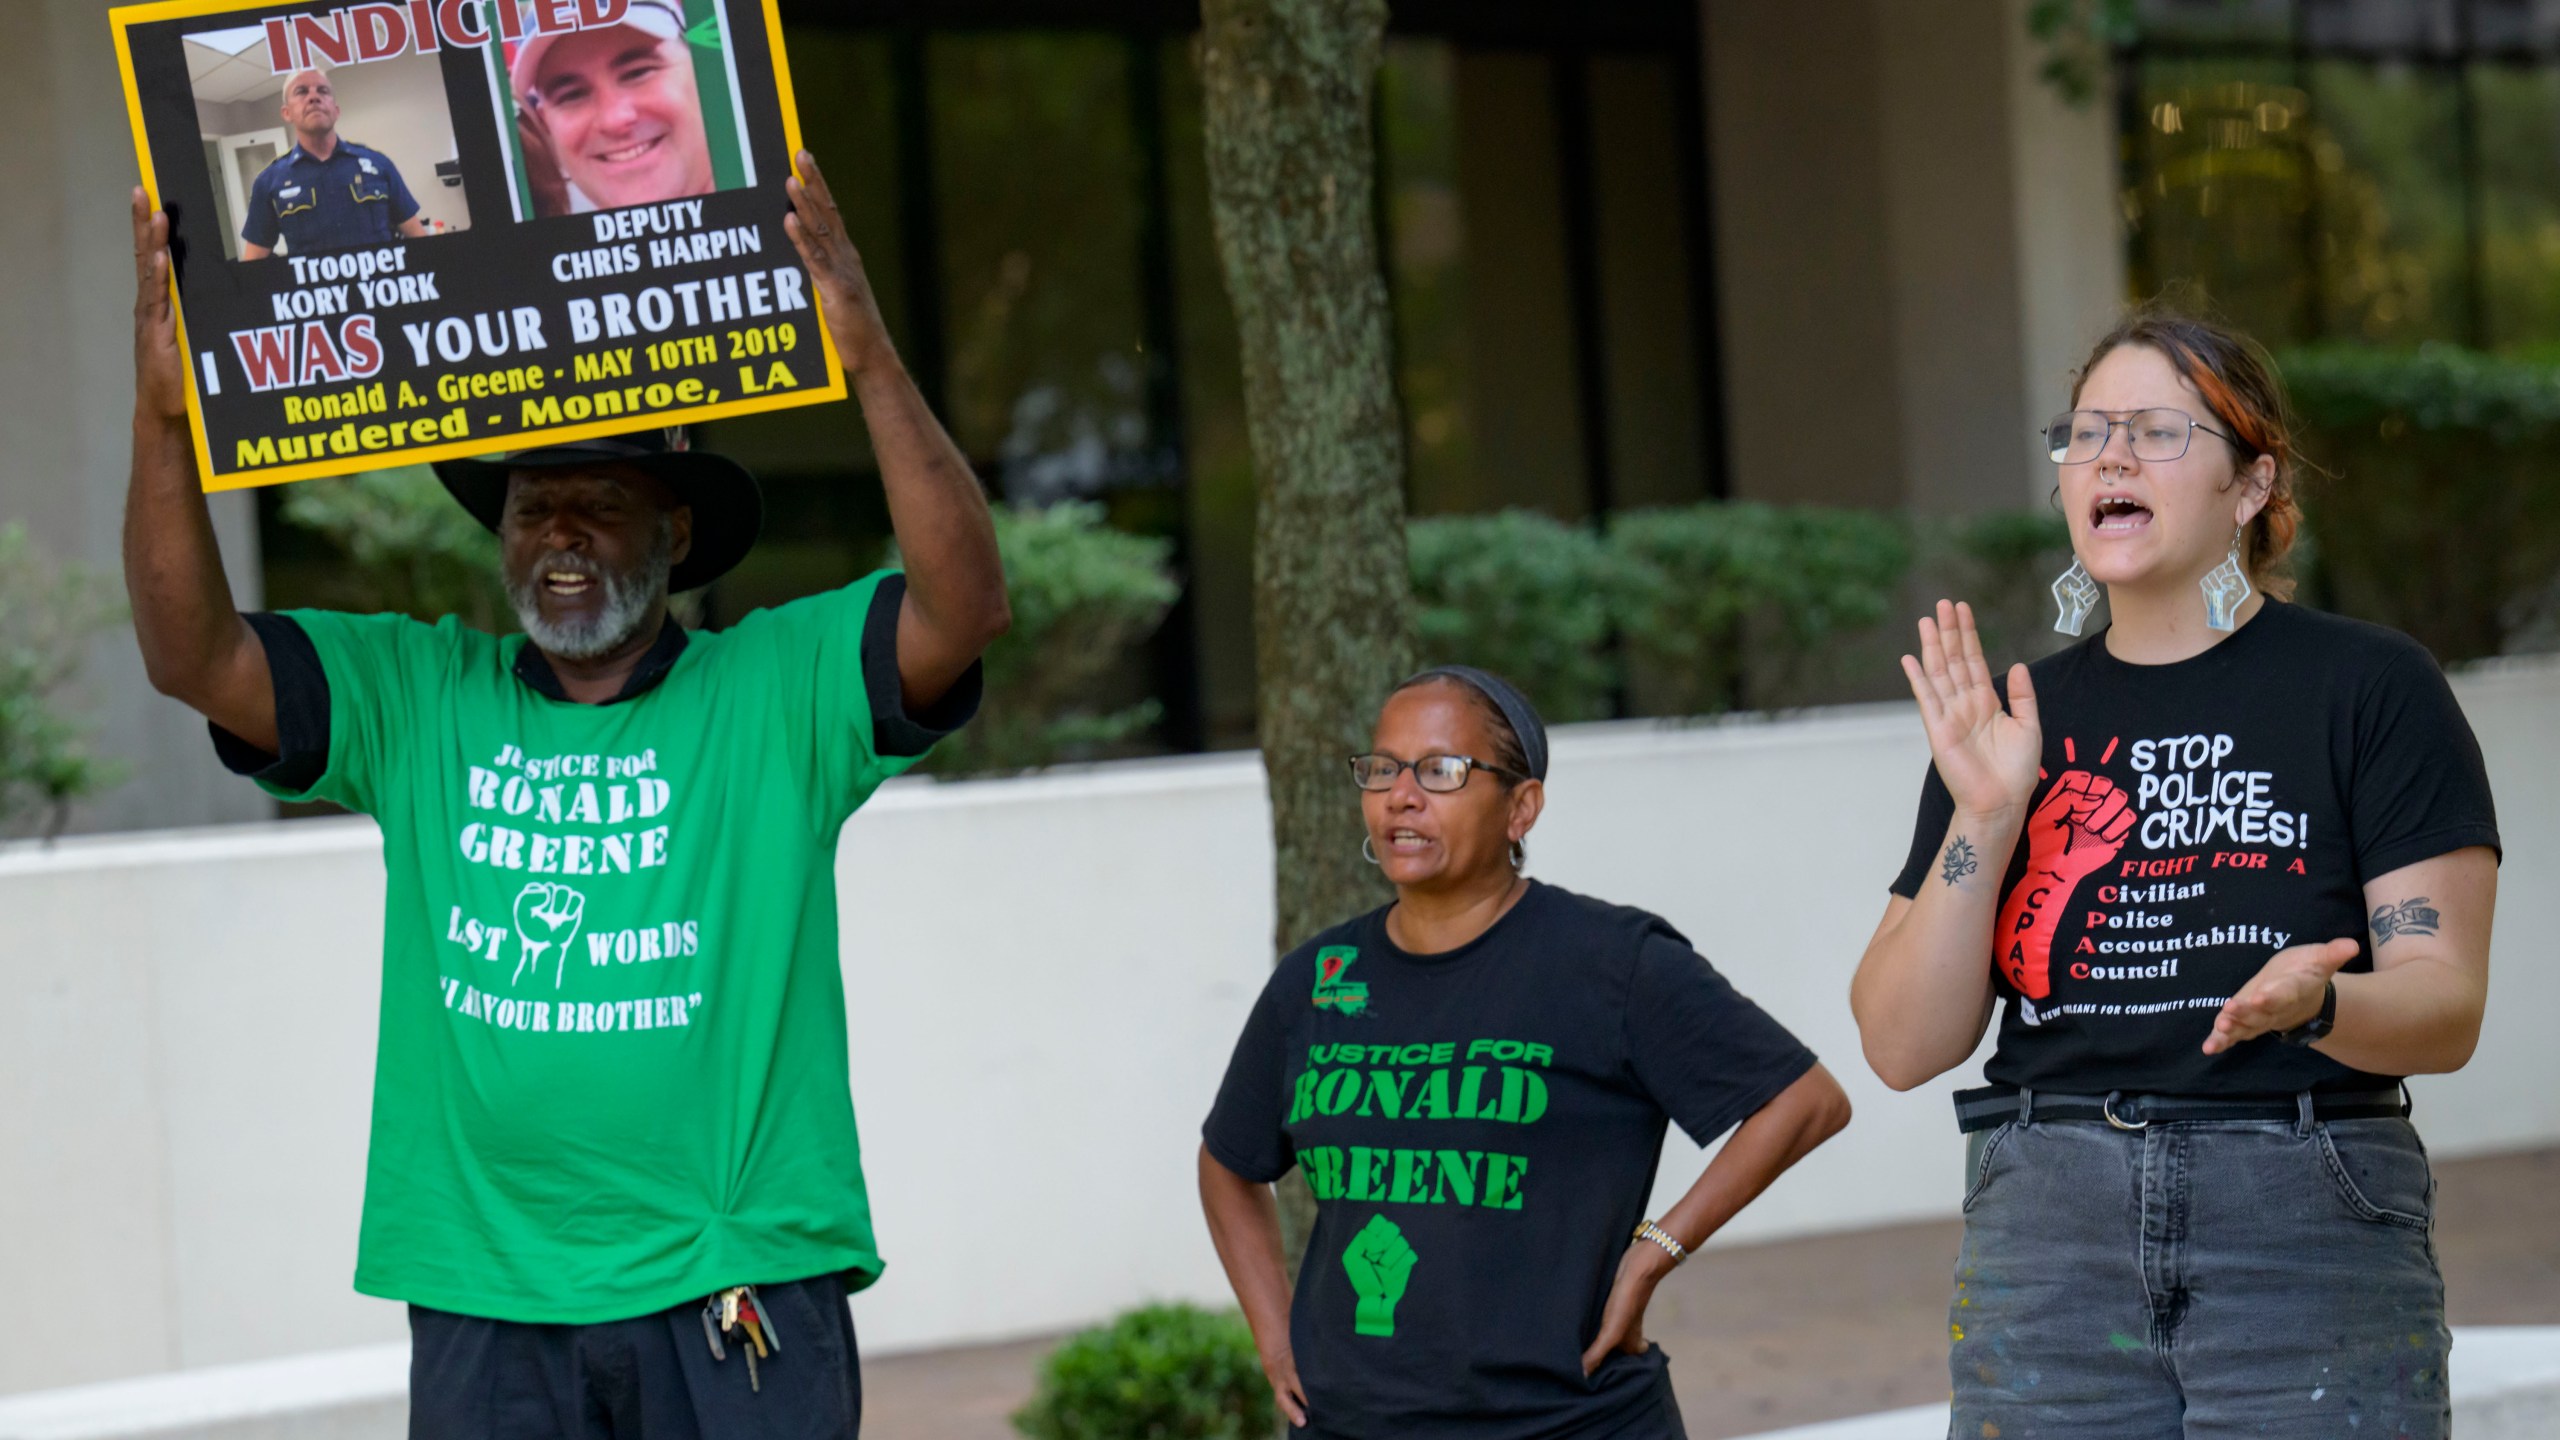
[1960, 862]
[2409, 917]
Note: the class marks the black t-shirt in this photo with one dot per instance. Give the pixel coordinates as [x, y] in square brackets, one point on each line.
[1480, 1128]
[2265, 781]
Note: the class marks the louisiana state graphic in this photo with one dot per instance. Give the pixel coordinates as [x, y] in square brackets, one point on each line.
[1332, 992]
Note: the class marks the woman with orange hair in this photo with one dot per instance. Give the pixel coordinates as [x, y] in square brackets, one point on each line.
[2227, 870]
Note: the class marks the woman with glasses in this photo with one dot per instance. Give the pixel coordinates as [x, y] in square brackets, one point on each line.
[2226, 869]
[1475, 1081]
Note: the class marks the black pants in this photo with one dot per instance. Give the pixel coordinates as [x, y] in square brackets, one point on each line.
[650, 1378]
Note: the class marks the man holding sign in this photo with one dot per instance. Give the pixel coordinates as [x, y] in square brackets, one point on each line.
[614, 1169]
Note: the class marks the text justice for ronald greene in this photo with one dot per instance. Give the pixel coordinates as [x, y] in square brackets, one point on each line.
[604, 791]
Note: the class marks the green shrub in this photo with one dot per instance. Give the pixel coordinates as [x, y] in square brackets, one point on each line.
[1685, 611]
[1083, 595]
[2003, 563]
[415, 551]
[2434, 389]
[1522, 595]
[1741, 603]
[47, 614]
[1165, 1372]
[2439, 512]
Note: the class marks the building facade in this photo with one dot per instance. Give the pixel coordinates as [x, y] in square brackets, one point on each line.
[1644, 252]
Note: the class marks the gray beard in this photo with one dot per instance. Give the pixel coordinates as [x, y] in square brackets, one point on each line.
[627, 598]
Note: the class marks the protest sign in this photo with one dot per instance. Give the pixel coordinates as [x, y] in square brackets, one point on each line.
[408, 230]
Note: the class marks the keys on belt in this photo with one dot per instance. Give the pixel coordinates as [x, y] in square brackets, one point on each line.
[738, 1312]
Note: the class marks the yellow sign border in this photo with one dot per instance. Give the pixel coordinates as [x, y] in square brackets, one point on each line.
[123, 17]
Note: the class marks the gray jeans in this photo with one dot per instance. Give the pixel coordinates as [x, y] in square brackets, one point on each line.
[2198, 1280]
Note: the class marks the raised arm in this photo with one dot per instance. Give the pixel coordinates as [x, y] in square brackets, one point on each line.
[1244, 1223]
[195, 646]
[955, 604]
[1923, 992]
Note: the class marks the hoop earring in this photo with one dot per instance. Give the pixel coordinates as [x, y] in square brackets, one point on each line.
[1519, 855]
[1366, 853]
[2077, 595]
[2226, 588]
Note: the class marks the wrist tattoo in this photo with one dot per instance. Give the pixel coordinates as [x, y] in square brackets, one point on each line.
[2409, 917]
[1960, 862]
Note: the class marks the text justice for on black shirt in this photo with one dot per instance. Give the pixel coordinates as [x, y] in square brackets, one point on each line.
[2265, 781]
[1480, 1129]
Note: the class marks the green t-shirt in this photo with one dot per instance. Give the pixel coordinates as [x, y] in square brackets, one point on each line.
[612, 1065]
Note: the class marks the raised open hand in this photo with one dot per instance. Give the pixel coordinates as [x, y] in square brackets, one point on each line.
[845, 301]
[159, 375]
[1380, 1264]
[1986, 756]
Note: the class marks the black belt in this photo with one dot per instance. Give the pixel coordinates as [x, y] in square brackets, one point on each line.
[1997, 1104]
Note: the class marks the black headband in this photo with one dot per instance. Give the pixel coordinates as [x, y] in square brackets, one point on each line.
[1516, 710]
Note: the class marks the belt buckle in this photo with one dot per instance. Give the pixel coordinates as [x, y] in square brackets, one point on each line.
[2107, 1107]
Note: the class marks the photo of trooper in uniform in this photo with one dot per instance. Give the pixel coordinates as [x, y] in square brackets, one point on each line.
[325, 157]
[327, 193]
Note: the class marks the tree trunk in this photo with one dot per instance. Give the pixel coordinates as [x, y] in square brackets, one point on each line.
[1287, 88]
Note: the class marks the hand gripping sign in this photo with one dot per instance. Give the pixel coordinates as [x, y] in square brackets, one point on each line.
[408, 230]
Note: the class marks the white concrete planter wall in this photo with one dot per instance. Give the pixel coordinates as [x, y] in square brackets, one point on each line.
[1045, 976]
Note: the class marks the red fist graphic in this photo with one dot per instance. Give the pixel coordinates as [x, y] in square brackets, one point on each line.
[2078, 827]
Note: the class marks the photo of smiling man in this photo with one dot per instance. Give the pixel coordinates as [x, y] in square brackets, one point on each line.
[615, 115]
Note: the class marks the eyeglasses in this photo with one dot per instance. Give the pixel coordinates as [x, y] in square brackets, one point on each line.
[2077, 437]
[1439, 774]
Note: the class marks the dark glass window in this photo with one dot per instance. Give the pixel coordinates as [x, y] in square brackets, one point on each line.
[2378, 170]
[1027, 185]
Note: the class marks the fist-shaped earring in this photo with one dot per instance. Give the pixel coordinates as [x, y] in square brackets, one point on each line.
[2226, 588]
[2077, 594]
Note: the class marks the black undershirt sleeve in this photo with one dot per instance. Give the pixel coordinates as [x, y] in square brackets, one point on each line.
[302, 712]
[895, 730]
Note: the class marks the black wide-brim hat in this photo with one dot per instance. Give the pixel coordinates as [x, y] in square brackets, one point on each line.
[728, 505]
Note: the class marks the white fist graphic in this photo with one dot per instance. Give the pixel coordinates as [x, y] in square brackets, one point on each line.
[547, 916]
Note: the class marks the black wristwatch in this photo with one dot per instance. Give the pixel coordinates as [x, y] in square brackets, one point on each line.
[2318, 1026]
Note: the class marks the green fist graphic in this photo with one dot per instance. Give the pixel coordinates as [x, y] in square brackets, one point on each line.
[1380, 1263]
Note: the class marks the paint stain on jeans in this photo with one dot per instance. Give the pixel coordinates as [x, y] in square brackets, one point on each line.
[2122, 1341]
